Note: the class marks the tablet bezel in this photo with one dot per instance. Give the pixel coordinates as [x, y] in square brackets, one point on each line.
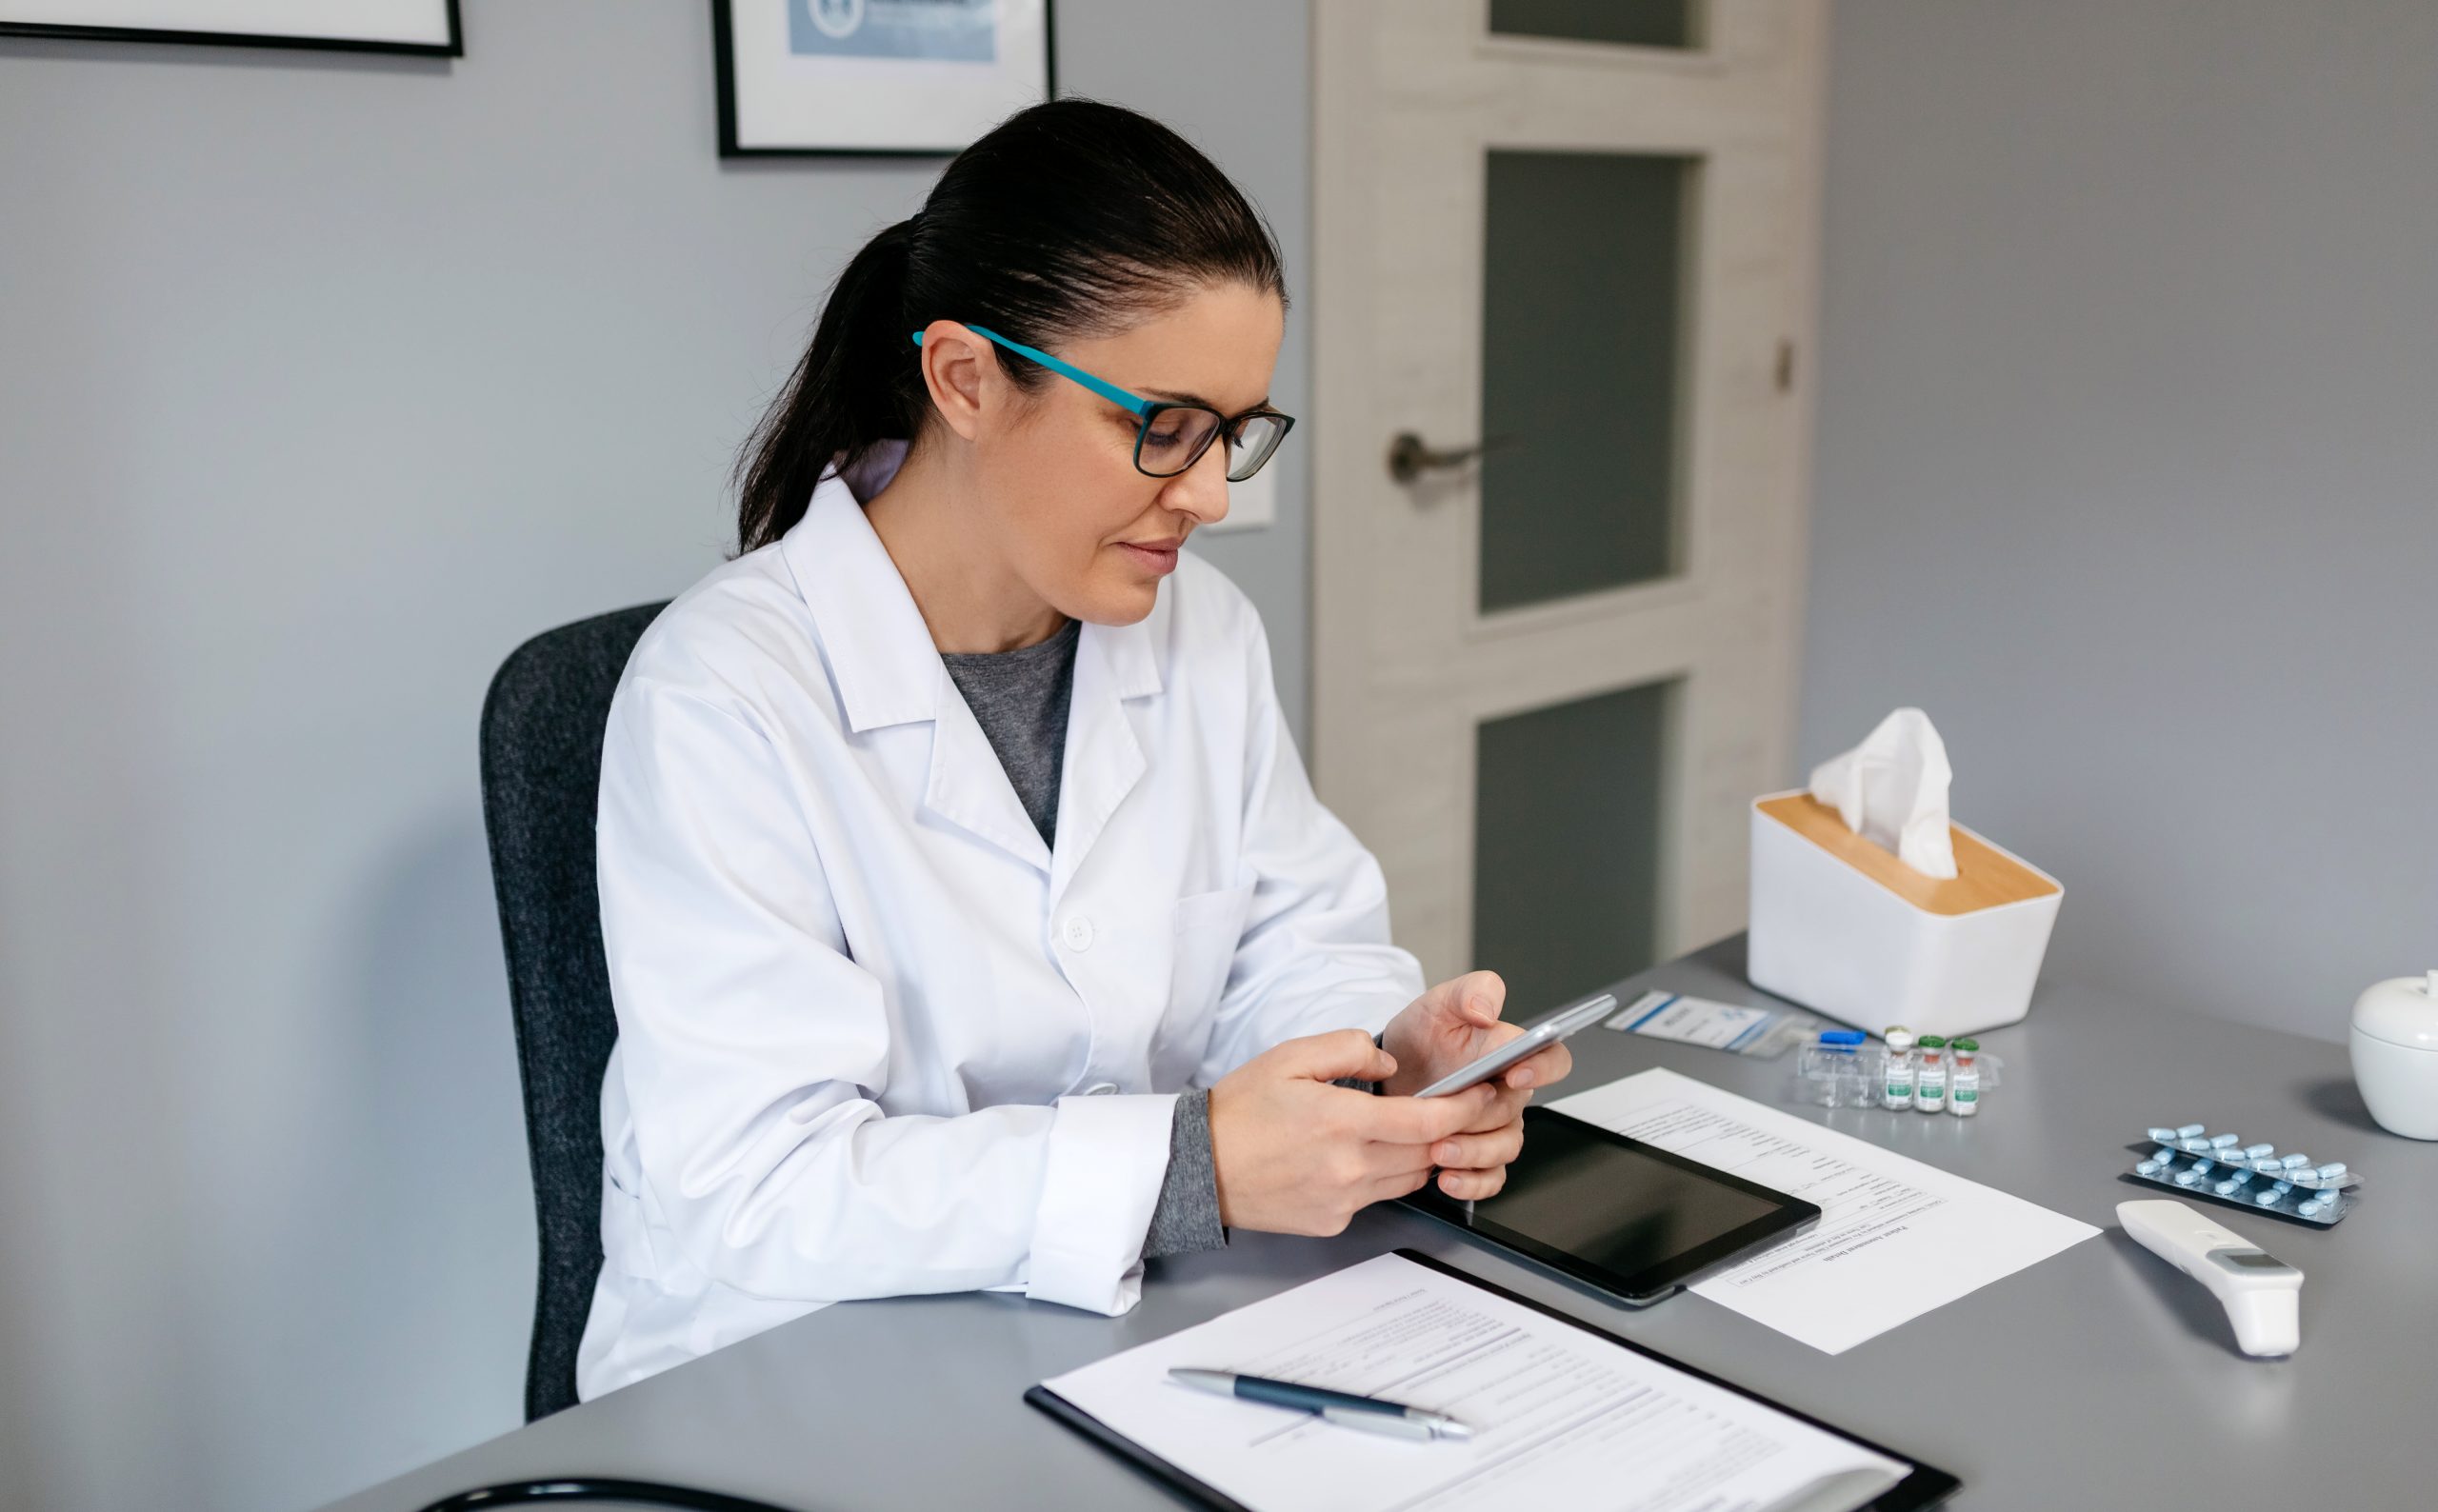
[1656, 1282]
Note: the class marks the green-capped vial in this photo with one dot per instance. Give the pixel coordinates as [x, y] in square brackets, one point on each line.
[1964, 1080]
[1929, 1082]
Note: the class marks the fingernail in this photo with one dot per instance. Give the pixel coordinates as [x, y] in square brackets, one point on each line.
[1522, 1078]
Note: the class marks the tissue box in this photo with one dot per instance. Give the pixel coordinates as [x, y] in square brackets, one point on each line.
[1845, 928]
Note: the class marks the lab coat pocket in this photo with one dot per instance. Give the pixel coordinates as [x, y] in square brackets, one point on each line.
[1208, 924]
[1208, 927]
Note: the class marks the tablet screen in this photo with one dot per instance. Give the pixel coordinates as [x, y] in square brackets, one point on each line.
[1625, 1214]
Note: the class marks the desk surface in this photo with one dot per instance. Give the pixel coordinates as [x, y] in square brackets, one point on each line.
[2098, 1378]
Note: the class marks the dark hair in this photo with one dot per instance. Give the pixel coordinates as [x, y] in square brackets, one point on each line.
[1072, 219]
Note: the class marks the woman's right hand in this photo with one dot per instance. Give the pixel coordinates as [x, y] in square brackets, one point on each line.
[1296, 1155]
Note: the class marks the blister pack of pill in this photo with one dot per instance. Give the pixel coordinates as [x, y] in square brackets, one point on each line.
[2191, 1161]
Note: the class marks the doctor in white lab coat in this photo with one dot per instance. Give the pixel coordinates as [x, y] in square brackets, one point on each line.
[877, 1035]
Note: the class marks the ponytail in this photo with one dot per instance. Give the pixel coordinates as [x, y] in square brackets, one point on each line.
[1071, 219]
[853, 386]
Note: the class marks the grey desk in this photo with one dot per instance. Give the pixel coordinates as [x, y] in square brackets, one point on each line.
[2098, 1379]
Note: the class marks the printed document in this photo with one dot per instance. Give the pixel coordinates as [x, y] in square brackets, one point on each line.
[1561, 1418]
[1895, 1239]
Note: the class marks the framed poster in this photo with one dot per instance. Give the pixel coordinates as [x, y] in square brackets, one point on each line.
[881, 77]
[427, 27]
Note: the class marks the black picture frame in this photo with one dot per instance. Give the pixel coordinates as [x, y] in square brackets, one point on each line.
[723, 72]
[453, 48]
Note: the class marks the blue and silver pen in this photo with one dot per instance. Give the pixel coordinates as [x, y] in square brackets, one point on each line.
[1344, 1408]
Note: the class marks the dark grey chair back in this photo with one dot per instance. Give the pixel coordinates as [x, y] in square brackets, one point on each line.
[541, 738]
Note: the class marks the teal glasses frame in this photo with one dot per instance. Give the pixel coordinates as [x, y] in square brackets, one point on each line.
[1249, 445]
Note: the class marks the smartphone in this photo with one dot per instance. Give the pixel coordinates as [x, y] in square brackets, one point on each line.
[1541, 1036]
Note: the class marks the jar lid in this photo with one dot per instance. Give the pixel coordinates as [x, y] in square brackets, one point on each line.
[2401, 1010]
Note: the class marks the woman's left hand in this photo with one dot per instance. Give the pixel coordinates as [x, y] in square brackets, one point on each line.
[1445, 1030]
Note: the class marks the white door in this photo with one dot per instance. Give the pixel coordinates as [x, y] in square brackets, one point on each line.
[1548, 679]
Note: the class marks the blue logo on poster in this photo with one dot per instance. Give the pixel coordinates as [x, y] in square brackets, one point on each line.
[944, 31]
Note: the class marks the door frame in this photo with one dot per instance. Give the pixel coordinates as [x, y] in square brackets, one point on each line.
[1353, 496]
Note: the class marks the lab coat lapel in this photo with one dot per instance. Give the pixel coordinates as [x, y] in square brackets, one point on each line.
[969, 784]
[888, 671]
[1104, 759]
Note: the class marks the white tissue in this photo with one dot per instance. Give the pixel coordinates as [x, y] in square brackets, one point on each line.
[1891, 790]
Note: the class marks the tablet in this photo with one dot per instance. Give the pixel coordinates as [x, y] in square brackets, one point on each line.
[1633, 1220]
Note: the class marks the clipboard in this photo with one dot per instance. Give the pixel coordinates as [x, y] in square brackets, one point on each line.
[1925, 1486]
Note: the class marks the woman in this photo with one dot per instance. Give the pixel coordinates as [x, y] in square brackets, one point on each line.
[971, 919]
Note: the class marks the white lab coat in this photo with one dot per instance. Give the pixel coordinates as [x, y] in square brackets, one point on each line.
[874, 1037]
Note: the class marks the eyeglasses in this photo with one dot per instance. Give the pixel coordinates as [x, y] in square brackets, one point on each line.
[1172, 437]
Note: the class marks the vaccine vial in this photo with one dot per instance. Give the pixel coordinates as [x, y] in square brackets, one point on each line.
[1963, 1079]
[1896, 1088]
[1930, 1081]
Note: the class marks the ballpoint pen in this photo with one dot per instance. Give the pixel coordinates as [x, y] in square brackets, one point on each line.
[1370, 1414]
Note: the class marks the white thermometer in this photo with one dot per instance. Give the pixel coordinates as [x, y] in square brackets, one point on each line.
[2262, 1294]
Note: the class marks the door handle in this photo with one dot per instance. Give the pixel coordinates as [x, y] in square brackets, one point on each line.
[1409, 456]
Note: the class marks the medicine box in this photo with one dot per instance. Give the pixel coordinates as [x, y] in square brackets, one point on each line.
[1845, 928]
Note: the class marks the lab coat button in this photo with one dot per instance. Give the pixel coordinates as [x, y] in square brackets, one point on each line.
[1099, 1089]
[1079, 932]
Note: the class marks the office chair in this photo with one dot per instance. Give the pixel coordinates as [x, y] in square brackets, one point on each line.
[541, 749]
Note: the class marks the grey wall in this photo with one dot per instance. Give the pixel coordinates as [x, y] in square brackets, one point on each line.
[323, 382]
[2128, 428]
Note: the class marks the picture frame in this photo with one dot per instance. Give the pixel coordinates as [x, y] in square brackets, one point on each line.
[874, 78]
[418, 27]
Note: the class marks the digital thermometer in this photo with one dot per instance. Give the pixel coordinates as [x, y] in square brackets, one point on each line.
[2262, 1294]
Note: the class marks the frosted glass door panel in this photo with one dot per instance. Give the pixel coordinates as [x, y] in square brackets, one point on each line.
[1566, 843]
[1635, 22]
[1581, 372]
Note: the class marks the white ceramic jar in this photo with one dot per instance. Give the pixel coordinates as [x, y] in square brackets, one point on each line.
[2395, 1054]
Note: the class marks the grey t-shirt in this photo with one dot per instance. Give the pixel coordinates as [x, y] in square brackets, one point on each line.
[1020, 700]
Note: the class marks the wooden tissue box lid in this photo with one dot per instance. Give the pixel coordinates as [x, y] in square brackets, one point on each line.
[1985, 877]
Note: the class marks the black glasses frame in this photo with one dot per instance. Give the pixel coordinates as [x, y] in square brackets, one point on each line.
[1228, 427]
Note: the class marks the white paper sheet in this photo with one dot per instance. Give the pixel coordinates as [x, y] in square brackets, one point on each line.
[1562, 1417]
[1895, 1239]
